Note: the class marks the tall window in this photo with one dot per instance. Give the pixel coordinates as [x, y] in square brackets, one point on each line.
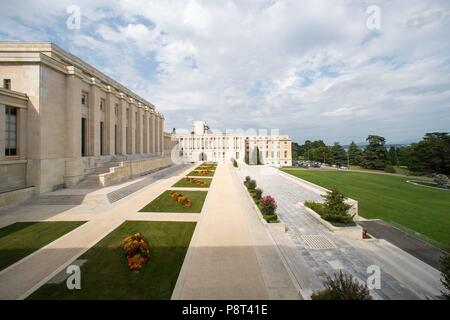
[7, 84]
[10, 131]
[84, 98]
[102, 104]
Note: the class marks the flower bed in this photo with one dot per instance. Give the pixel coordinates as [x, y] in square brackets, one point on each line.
[137, 251]
[197, 182]
[181, 199]
[202, 173]
[267, 204]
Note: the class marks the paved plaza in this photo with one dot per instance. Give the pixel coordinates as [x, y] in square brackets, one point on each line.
[402, 275]
[233, 254]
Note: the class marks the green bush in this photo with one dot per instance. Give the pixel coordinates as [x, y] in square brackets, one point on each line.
[389, 169]
[334, 209]
[251, 185]
[445, 263]
[257, 194]
[335, 202]
[270, 218]
[441, 180]
[268, 205]
[342, 287]
[247, 180]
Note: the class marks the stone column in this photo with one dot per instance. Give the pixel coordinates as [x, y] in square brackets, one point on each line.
[158, 133]
[162, 134]
[145, 131]
[94, 119]
[74, 169]
[132, 126]
[122, 125]
[139, 129]
[22, 133]
[2, 131]
[153, 131]
[110, 116]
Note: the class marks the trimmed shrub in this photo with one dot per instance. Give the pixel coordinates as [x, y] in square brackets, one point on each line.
[342, 287]
[251, 185]
[247, 180]
[441, 180]
[257, 194]
[268, 205]
[334, 209]
[335, 202]
[272, 218]
[389, 169]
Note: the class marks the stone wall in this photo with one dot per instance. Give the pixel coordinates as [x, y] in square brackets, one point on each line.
[133, 168]
[13, 175]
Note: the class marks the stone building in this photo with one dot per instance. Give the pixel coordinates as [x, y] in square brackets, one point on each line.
[63, 121]
[201, 144]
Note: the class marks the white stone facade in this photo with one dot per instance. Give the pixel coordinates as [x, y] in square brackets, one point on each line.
[274, 149]
[70, 117]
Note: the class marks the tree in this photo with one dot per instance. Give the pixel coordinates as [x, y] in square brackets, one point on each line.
[354, 154]
[393, 156]
[374, 155]
[342, 287]
[405, 155]
[338, 154]
[432, 154]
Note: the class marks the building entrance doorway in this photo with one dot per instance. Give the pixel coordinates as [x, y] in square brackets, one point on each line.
[202, 157]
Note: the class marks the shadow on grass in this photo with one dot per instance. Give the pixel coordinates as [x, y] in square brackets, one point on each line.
[20, 239]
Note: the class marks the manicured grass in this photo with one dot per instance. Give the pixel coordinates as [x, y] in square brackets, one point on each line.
[422, 209]
[105, 275]
[165, 203]
[195, 173]
[205, 168]
[184, 183]
[20, 239]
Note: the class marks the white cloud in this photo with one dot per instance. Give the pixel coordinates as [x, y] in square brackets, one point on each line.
[310, 68]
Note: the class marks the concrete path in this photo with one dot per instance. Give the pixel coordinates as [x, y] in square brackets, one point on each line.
[222, 261]
[402, 275]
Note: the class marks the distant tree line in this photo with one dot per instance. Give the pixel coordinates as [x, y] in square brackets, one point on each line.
[430, 155]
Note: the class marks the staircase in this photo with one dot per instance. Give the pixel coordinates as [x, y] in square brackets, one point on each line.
[92, 179]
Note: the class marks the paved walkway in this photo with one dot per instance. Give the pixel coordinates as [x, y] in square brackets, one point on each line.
[402, 275]
[224, 260]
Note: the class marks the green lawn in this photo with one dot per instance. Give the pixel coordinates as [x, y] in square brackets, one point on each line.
[205, 168]
[195, 173]
[165, 203]
[20, 239]
[105, 275]
[422, 209]
[184, 183]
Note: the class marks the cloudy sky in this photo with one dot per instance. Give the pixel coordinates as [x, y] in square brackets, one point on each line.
[313, 69]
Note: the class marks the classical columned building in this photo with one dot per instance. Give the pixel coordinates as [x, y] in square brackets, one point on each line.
[62, 119]
[201, 144]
